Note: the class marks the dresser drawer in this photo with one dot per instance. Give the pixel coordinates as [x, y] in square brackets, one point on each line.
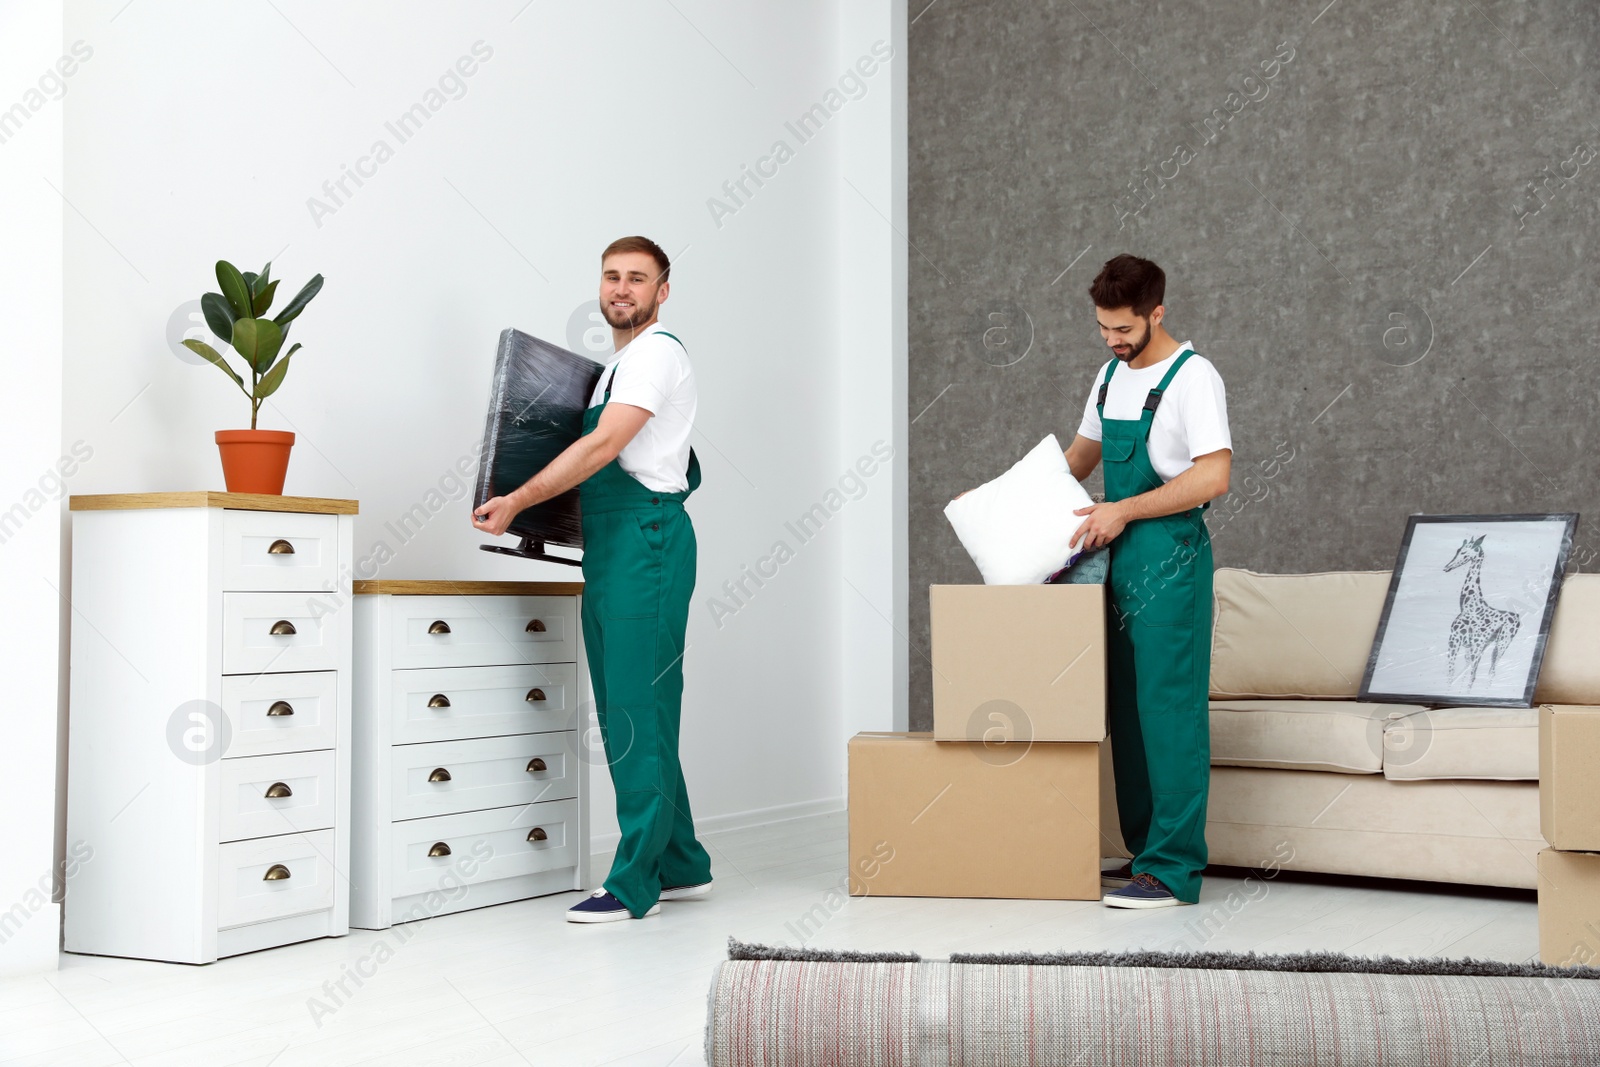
[274, 877]
[482, 846]
[306, 638]
[279, 551]
[287, 793]
[481, 631]
[448, 703]
[269, 713]
[444, 777]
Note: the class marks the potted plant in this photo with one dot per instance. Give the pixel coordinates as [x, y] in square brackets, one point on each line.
[253, 461]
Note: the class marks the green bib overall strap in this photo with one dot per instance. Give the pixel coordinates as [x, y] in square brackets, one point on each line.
[1158, 660]
[639, 557]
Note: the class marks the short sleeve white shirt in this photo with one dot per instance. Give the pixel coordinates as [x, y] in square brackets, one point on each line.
[653, 372]
[1192, 419]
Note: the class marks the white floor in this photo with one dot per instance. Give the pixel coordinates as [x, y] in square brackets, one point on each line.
[516, 985]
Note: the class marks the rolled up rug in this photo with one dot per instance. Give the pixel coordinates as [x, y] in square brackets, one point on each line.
[780, 1007]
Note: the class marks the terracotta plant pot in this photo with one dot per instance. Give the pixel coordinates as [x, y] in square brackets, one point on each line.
[255, 461]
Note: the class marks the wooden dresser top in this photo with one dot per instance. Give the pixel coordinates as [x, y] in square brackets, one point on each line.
[417, 587]
[208, 499]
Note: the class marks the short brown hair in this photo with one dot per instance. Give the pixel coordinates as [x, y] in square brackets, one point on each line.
[1127, 281]
[640, 244]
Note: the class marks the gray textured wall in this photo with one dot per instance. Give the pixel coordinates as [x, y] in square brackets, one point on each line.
[1387, 248]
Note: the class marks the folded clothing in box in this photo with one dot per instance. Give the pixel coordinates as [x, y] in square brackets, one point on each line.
[1018, 528]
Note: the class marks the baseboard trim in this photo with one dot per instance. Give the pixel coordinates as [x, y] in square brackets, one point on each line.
[739, 820]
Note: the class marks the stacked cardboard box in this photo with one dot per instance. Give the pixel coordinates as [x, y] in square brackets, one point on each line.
[1003, 799]
[1569, 820]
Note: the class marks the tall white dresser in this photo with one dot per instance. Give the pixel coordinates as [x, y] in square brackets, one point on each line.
[208, 766]
[471, 768]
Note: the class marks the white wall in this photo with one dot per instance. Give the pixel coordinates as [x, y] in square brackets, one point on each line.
[30, 432]
[201, 131]
[872, 292]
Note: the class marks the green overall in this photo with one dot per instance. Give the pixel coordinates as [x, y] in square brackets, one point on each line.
[638, 571]
[1159, 660]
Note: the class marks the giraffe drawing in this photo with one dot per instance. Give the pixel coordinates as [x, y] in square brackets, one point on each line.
[1477, 627]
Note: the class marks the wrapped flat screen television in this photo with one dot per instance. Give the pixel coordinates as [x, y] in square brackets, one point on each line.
[536, 406]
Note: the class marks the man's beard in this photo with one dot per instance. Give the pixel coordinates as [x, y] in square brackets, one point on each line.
[1137, 347]
[641, 315]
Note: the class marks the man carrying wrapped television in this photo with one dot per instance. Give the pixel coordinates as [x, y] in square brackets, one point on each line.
[634, 469]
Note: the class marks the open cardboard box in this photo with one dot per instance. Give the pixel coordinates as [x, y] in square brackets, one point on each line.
[1018, 662]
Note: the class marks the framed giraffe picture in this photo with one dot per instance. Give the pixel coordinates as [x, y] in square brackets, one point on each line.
[1468, 610]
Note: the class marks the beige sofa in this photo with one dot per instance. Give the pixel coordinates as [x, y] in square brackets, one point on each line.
[1306, 777]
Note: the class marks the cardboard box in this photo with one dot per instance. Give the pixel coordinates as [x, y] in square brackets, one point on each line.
[961, 819]
[1569, 908]
[1019, 662]
[1569, 777]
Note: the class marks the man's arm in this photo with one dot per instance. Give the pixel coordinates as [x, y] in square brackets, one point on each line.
[1083, 456]
[619, 424]
[1206, 480]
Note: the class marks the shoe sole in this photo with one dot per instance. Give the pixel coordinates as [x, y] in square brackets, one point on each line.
[1140, 905]
[608, 916]
[686, 892]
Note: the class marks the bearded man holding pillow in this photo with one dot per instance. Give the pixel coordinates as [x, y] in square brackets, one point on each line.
[1157, 415]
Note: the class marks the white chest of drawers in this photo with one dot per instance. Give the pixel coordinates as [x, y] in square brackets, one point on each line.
[470, 773]
[208, 766]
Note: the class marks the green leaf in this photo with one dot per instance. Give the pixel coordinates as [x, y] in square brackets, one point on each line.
[258, 341]
[274, 377]
[298, 304]
[249, 281]
[263, 299]
[212, 356]
[234, 288]
[219, 316]
[261, 282]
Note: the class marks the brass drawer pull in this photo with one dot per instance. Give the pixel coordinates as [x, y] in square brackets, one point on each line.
[280, 547]
[277, 791]
[537, 834]
[535, 626]
[438, 700]
[536, 764]
[282, 628]
[535, 694]
[280, 707]
[439, 627]
[439, 775]
[439, 849]
[276, 873]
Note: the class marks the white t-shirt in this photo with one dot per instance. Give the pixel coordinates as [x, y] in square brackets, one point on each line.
[653, 372]
[1191, 420]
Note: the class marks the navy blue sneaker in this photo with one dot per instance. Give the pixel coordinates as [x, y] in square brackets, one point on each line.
[1117, 877]
[602, 907]
[684, 892]
[1145, 891]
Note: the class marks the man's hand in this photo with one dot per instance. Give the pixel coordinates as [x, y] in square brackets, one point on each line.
[495, 514]
[1104, 523]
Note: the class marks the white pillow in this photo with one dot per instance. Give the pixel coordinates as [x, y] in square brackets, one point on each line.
[1017, 527]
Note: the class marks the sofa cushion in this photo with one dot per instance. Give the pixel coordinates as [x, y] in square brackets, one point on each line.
[1494, 743]
[1302, 735]
[1294, 635]
[1571, 671]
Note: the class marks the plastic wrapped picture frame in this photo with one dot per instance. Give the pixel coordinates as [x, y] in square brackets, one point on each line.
[1467, 615]
[536, 404]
